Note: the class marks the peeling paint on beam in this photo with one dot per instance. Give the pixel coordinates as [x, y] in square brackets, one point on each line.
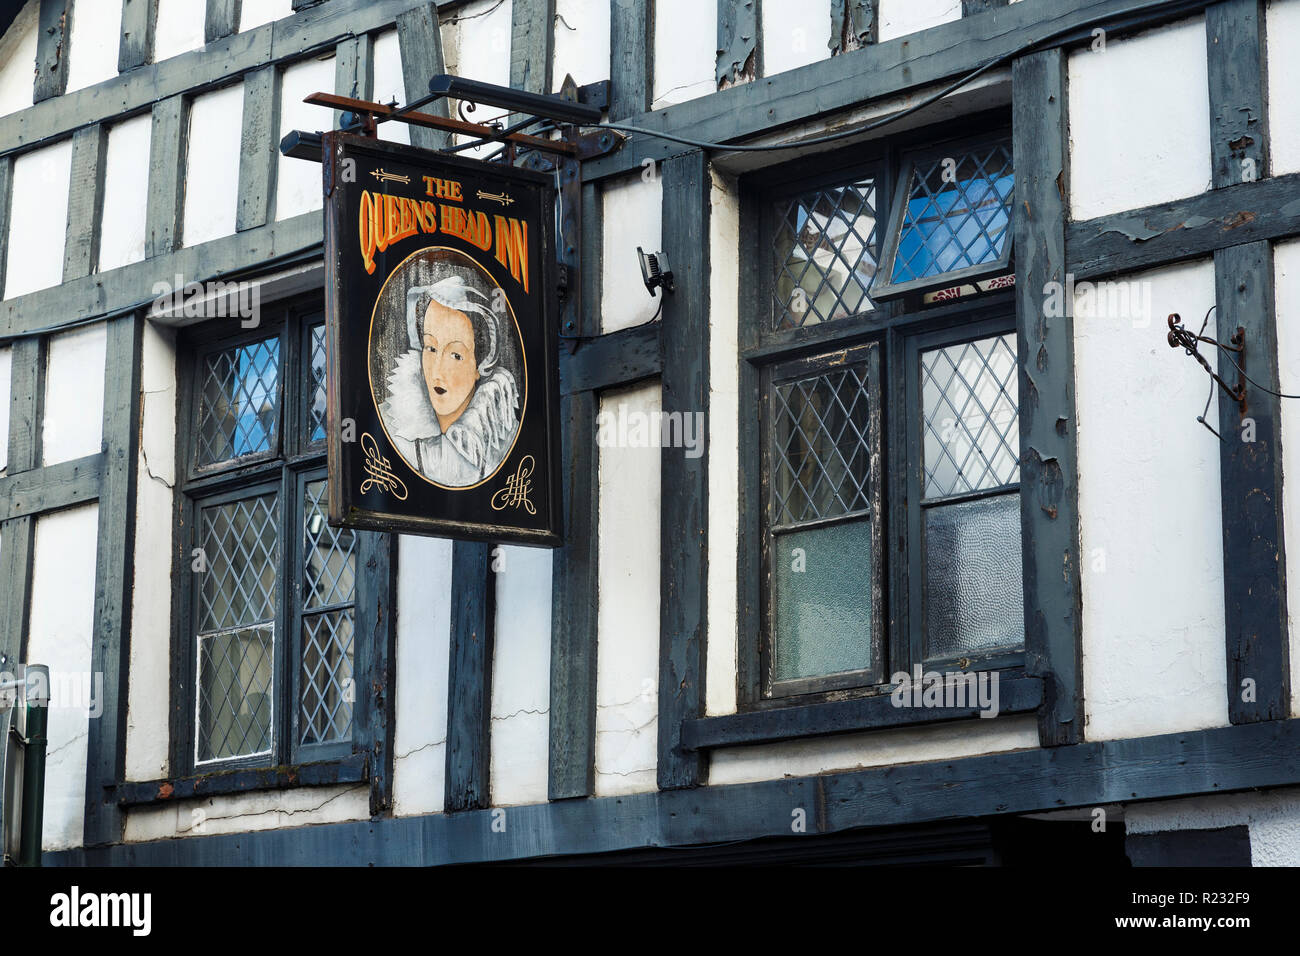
[737, 42]
[1184, 229]
[853, 25]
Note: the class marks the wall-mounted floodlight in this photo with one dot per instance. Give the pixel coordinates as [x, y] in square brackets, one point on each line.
[516, 101]
[654, 271]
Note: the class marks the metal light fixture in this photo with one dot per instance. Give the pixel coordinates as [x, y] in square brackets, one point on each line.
[516, 101]
[654, 271]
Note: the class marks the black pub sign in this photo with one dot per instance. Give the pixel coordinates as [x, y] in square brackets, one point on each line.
[440, 312]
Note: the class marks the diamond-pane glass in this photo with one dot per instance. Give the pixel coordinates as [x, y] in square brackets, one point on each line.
[824, 254]
[958, 214]
[239, 401]
[235, 704]
[970, 405]
[329, 564]
[316, 408]
[239, 552]
[328, 693]
[820, 446]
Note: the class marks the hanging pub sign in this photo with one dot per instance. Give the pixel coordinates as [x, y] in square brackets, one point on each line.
[440, 310]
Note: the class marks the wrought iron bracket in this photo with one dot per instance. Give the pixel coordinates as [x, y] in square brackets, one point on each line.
[1182, 337]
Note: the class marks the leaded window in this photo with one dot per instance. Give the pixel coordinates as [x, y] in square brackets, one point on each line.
[272, 642]
[951, 220]
[887, 434]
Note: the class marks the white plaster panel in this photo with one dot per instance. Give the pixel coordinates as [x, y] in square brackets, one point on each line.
[253, 13]
[60, 636]
[149, 694]
[1139, 130]
[581, 41]
[92, 46]
[878, 748]
[1272, 815]
[178, 28]
[723, 443]
[685, 51]
[795, 33]
[1151, 557]
[1286, 286]
[1283, 25]
[298, 181]
[126, 193]
[900, 17]
[38, 219]
[521, 675]
[18, 60]
[423, 653]
[389, 85]
[74, 395]
[633, 211]
[6, 384]
[249, 812]
[483, 53]
[212, 164]
[627, 609]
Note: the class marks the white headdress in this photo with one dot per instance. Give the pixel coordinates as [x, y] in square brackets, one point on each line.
[454, 293]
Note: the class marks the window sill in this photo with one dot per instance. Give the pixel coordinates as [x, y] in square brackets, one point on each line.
[350, 769]
[1016, 695]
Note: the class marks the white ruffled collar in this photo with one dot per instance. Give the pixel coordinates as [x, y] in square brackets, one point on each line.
[487, 424]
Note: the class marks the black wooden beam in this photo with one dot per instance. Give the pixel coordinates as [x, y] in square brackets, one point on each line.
[737, 41]
[377, 691]
[684, 498]
[85, 200]
[631, 55]
[259, 154]
[1234, 34]
[1250, 462]
[1250, 466]
[135, 46]
[970, 8]
[221, 20]
[114, 577]
[575, 585]
[532, 44]
[419, 38]
[18, 535]
[854, 24]
[469, 680]
[1049, 508]
[883, 69]
[351, 769]
[41, 490]
[1217, 761]
[354, 71]
[54, 28]
[131, 286]
[167, 145]
[1015, 696]
[1184, 229]
[613, 359]
[6, 193]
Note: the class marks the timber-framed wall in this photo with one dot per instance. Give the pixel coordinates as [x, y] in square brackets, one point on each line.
[1235, 223]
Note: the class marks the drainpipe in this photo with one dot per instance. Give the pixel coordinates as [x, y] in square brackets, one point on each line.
[38, 713]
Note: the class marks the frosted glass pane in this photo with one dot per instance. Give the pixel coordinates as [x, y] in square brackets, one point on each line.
[823, 612]
[973, 581]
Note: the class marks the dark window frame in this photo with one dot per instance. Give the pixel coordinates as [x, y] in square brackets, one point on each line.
[899, 324]
[287, 469]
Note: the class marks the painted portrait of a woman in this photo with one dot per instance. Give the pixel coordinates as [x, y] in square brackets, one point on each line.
[452, 400]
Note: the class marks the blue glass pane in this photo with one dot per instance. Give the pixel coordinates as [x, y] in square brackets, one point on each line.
[239, 407]
[316, 413]
[958, 215]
